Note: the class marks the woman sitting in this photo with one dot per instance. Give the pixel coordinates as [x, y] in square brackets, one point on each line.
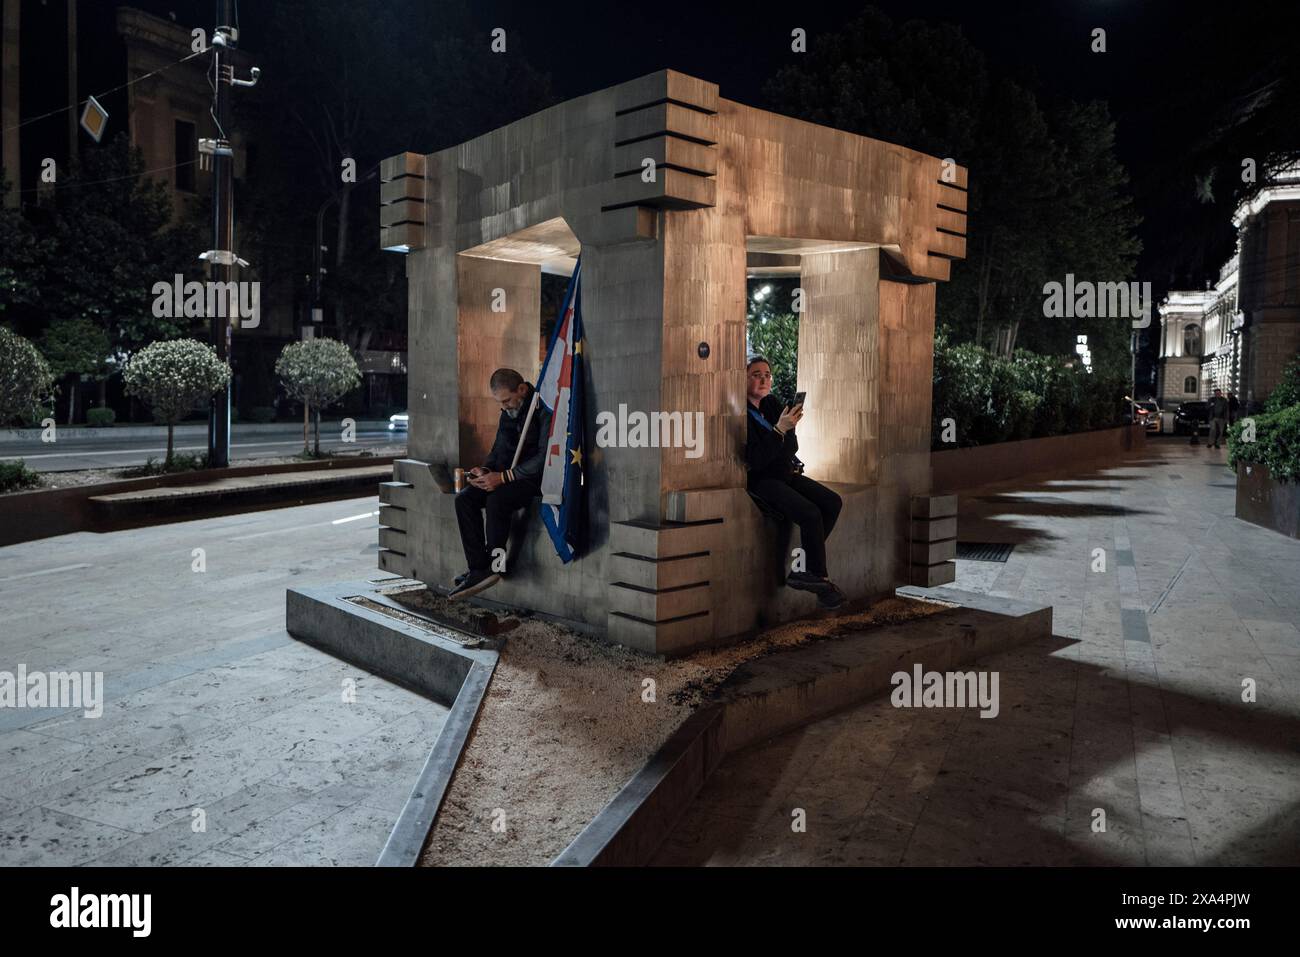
[776, 479]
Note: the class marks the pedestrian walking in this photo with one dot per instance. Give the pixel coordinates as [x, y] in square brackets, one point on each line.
[1218, 419]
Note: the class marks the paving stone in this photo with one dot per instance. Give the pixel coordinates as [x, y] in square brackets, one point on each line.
[1152, 731]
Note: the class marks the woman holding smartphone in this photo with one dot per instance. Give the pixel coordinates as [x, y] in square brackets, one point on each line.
[776, 479]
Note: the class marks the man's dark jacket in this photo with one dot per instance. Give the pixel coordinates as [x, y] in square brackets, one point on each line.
[1218, 407]
[767, 454]
[533, 456]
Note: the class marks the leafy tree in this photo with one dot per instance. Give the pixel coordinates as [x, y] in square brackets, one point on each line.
[1287, 391]
[76, 349]
[317, 372]
[22, 264]
[1047, 194]
[338, 100]
[112, 240]
[175, 377]
[773, 328]
[25, 378]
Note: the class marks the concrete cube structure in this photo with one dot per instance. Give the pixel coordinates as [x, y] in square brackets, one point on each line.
[678, 555]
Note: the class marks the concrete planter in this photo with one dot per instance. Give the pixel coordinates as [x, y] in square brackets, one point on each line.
[1262, 500]
[982, 464]
[45, 513]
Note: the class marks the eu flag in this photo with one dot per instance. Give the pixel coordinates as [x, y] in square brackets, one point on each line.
[560, 386]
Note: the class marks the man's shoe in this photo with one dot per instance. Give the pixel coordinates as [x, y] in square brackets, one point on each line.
[806, 581]
[472, 585]
[831, 598]
[460, 579]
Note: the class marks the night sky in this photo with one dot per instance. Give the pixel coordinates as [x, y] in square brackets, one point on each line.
[1154, 47]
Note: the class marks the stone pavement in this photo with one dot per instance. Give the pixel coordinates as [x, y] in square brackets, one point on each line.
[223, 739]
[1130, 717]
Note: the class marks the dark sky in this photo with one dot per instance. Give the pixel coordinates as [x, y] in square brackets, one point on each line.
[1153, 48]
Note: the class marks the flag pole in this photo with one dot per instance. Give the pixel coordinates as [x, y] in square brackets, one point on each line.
[523, 434]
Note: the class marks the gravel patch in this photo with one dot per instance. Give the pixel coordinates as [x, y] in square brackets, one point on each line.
[568, 720]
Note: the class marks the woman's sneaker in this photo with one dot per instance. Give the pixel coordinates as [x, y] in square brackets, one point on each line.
[806, 581]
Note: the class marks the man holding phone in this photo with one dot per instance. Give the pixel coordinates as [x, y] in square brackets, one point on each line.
[776, 480]
[509, 479]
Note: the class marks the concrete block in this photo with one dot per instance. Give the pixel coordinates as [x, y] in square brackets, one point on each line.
[934, 506]
[659, 574]
[932, 553]
[660, 638]
[396, 493]
[924, 530]
[392, 517]
[393, 538]
[928, 576]
[663, 541]
[404, 211]
[660, 606]
[665, 118]
[403, 164]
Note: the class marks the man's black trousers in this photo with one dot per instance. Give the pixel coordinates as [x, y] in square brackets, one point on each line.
[811, 506]
[500, 505]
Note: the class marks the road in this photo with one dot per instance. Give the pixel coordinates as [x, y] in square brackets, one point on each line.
[107, 450]
[208, 704]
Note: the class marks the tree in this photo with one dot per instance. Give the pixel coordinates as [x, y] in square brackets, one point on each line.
[317, 372]
[336, 100]
[76, 349]
[175, 377]
[22, 265]
[1047, 194]
[773, 328]
[112, 240]
[25, 378]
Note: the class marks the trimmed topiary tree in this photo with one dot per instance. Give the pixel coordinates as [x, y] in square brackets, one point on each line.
[174, 378]
[25, 379]
[317, 372]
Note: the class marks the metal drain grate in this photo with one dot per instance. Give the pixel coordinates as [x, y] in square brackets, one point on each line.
[983, 551]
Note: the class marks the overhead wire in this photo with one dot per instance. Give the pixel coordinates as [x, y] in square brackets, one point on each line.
[98, 96]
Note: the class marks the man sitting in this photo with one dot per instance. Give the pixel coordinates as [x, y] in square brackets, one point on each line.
[776, 479]
[499, 487]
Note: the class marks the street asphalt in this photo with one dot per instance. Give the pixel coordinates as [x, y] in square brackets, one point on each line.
[108, 450]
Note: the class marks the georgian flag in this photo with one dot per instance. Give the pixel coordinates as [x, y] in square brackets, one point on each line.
[560, 386]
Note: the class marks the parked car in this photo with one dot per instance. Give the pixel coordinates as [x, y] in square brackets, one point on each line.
[1192, 415]
[1148, 413]
[399, 422]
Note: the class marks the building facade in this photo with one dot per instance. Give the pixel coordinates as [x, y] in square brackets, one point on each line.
[1239, 334]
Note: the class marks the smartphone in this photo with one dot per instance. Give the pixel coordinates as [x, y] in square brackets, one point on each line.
[799, 397]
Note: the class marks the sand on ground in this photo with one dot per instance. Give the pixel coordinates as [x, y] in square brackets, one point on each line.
[568, 720]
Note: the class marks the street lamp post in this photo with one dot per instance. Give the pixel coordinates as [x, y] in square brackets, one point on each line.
[221, 258]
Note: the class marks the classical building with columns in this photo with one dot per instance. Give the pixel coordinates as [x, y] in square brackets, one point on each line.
[1239, 334]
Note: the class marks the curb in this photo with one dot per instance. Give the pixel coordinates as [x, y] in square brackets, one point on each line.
[779, 693]
[159, 432]
[418, 660]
